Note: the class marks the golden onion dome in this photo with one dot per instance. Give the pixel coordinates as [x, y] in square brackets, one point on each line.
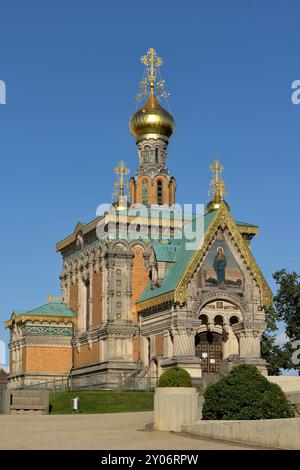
[213, 205]
[152, 120]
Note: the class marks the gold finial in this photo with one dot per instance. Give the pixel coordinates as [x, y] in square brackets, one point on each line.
[152, 63]
[122, 171]
[121, 185]
[55, 299]
[217, 186]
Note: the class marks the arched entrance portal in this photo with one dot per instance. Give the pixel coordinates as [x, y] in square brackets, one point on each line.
[208, 346]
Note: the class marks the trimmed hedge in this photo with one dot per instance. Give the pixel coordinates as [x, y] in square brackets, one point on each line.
[245, 394]
[175, 377]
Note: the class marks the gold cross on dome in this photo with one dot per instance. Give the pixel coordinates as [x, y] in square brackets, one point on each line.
[122, 171]
[151, 78]
[216, 167]
[152, 61]
[217, 185]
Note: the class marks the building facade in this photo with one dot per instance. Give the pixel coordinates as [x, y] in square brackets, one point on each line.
[137, 295]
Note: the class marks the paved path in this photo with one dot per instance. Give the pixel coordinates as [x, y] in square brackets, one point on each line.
[98, 431]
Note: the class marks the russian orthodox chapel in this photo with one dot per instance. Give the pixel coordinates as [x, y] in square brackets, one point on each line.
[137, 296]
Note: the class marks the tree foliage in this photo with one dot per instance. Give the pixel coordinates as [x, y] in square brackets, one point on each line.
[287, 302]
[286, 308]
[175, 377]
[245, 394]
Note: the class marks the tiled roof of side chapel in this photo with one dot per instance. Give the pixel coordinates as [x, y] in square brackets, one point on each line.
[50, 309]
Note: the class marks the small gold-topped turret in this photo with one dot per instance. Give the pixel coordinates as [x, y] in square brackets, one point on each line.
[152, 120]
[217, 187]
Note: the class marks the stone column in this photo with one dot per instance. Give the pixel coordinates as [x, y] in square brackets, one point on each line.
[129, 264]
[110, 289]
[184, 343]
[65, 289]
[145, 350]
[249, 335]
[168, 345]
[184, 353]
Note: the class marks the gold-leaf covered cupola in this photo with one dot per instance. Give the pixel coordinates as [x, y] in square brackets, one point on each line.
[152, 126]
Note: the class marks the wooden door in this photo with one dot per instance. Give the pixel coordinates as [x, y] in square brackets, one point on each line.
[208, 347]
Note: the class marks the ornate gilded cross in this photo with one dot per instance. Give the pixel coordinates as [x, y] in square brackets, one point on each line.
[217, 185]
[152, 63]
[122, 171]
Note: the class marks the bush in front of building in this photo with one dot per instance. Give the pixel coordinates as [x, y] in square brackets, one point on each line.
[245, 394]
[175, 377]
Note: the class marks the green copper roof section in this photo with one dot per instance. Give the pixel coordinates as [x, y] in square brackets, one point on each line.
[164, 252]
[51, 309]
[245, 224]
[182, 257]
[17, 313]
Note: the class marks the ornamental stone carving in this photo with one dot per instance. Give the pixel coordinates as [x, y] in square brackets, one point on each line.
[221, 295]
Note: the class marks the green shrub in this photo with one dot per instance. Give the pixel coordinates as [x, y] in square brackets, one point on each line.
[175, 377]
[245, 394]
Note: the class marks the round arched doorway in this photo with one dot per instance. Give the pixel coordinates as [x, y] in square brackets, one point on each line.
[208, 347]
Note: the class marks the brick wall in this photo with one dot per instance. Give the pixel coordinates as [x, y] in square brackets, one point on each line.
[24, 358]
[48, 359]
[86, 355]
[97, 299]
[74, 297]
[159, 345]
[152, 189]
[139, 278]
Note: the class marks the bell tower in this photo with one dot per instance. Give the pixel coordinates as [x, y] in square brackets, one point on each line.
[152, 126]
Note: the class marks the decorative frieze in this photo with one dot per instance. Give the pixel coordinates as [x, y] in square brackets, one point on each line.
[48, 330]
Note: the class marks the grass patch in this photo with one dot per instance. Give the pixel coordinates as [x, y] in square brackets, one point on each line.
[102, 401]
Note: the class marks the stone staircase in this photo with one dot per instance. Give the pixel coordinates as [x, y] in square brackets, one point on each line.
[139, 380]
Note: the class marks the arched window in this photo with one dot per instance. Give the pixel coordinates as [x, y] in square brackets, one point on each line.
[159, 192]
[233, 320]
[218, 320]
[156, 154]
[146, 154]
[204, 319]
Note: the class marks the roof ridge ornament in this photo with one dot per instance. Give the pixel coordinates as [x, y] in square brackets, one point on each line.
[51, 299]
[121, 185]
[216, 187]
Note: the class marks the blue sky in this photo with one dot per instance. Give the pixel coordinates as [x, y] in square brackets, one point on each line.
[72, 68]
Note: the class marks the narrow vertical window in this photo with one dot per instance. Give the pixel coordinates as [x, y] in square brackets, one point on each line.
[159, 192]
[156, 154]
[145, 191]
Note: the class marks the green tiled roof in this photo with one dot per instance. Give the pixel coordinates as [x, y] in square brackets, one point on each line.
[164, 252]
[51, 309]
[17, 313]
[180, 258]
[245, 224]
